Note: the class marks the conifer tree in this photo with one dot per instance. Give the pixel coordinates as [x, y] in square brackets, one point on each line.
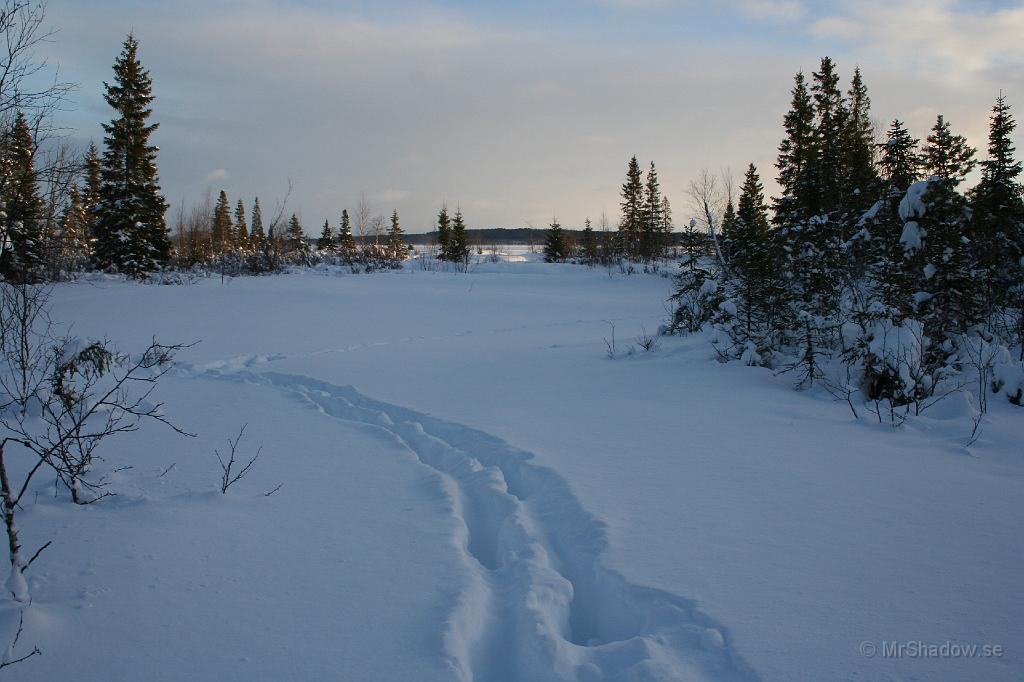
[832, 121]
[444, 234]
[74, 234]
[131, 235]
[751, 271]
[458, 246]
[396, 245]
[887, 258]
[651, 225]
[589, 243]
[900, 162]
[221, 224]
[860, 176]
[749, 248]
[998, 218]
[946, 155]
[295, 237]
[796, 160]
[555, 248]
[326, 241]
[943, 290]
[728, 230]
[241, 230]
[666, 225]
[91, 191]
[345, 239]
[632, 210]
[256, 234]
[24, 220]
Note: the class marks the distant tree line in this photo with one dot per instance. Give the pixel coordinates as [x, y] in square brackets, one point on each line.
[212, 235]
[105, 210]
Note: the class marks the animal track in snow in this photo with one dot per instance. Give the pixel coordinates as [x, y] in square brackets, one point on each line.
[538, 603]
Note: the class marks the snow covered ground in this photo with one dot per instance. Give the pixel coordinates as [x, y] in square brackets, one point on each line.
[472, 489]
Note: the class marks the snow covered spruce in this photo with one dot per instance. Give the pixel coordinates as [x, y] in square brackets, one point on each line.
[875, 279]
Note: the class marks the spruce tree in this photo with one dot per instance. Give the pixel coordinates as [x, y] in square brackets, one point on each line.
[74, 232]
[946, 155]
[91, 190]
[832, 121]
[444, 234]
[900, 161]
[632, 210]
[728, 235]
[998, 218]
[458, 246]
[751, 271]
[326, 241]
[296, 237]
[221, 224]
[749, 255]
[345, 239]
[241, 230]
[396, 245]
[666, 225]
[555, 248]
[651, 223]
[131, 235]
[943, 289]
[589, 243]
[860, 175]
[256, 235]
[795, 161]
[887, 261]
[24, 220]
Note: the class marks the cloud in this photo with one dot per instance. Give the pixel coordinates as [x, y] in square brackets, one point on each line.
[760, 10]
[939, 39]
[389, 196]
[329, 44]
[773, 10]
[517, 114]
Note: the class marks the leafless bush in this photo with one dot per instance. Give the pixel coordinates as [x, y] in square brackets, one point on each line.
[647, 342]
[612, 351]
[9, 656]
[229, 476]
[59, 400]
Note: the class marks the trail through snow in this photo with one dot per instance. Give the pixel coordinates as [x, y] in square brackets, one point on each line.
[538, 604]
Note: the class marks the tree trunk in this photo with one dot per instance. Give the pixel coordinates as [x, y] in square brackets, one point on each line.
[16, 581]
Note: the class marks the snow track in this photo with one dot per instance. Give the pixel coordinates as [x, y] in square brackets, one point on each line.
[537, 602]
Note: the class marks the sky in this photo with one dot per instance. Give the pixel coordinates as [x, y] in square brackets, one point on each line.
[517, 112]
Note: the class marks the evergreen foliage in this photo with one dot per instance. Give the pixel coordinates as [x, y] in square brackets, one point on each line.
[257, 237]
[652, 224]
[458, 247]
[946, 155]
[222, 240]
[241, 230]
[346, 241]
[131, 235]
[443, 234]
[396, 245]
[23, 258]
[631, 226]
[327, 241]
[556, 249]
[589, 243]
[874, 273]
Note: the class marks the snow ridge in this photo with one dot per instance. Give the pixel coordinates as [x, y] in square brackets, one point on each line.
[537, 604]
